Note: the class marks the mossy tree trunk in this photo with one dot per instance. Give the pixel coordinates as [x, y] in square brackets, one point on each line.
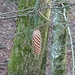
[58, 52]
[22, 60]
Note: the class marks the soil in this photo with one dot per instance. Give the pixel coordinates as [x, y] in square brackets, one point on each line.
[7, 32]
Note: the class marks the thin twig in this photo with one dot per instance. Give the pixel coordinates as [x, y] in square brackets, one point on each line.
[71, 48]
[26, 14]
[44, 16]
[48, 6]
[15, 11]
[43, 7]
[69, 32]
[62, 30]
[60, 7]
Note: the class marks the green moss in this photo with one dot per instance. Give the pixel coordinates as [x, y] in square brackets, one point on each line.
[22, 60]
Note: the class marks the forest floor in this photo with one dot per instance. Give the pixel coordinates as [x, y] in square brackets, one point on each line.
[7, 32]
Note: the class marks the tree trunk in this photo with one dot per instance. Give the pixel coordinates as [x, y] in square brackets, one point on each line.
[58, 52]
[23, 61]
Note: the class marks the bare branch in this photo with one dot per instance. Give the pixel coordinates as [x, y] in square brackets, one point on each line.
[15, 16]
[16, 11]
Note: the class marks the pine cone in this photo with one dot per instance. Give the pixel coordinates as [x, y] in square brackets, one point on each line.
[36, 41]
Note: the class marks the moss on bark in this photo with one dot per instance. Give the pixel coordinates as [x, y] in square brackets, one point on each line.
[22, 60]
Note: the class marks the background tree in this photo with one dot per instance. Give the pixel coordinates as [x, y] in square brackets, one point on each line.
[58, 52]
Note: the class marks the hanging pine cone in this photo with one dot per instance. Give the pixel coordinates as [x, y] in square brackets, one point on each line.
[36, 41]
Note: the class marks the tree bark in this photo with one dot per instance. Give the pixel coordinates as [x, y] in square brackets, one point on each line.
[22, 60]
[58, 52]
